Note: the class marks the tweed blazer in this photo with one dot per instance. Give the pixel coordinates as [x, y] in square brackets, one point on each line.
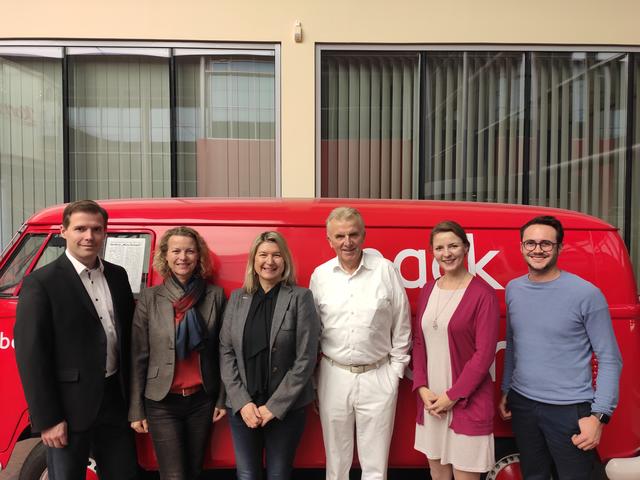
[153, 340]
[295, 331]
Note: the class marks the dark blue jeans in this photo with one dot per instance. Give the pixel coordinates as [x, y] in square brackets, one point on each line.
[110, 440]
[179, 428]
[278, 440]
[543, 434]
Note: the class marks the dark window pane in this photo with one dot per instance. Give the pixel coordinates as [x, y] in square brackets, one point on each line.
[369, 122]
[119, 129]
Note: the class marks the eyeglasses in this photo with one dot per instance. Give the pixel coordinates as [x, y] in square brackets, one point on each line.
[545, 245]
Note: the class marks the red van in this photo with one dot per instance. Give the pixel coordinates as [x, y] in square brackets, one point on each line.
[398, 230]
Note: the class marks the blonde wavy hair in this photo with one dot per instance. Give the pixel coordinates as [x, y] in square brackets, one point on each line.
[204, 268]
[251, 277]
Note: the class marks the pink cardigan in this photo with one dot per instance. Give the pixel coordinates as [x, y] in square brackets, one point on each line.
[473, 334]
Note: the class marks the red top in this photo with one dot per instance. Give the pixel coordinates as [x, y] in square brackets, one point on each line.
[473, 335]
[187, 372]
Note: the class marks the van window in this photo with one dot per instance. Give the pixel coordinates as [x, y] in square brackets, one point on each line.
[55, 247]
[15, 268]
[130, 250]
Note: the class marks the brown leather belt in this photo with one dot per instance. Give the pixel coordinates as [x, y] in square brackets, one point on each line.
[186, 392]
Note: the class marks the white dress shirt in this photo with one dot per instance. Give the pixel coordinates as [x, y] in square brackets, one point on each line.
[364, 315]
[96, 285]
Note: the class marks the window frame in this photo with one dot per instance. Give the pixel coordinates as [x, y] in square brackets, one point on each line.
[62, 49]
[15, 253]
[50, 234]
[424, 48]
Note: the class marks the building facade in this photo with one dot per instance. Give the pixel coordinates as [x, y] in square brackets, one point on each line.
[494, 101]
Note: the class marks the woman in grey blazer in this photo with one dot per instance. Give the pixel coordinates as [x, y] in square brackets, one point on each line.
[176, 392]
[268, 351]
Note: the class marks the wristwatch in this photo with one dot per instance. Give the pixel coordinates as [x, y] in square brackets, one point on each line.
[602, 417]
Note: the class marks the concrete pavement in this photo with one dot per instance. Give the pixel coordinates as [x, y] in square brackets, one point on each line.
[20, 452]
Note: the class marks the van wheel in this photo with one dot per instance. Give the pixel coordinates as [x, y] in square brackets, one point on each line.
[507, 466]
[35, 465]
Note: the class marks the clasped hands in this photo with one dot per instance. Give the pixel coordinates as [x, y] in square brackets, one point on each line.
[435, 404]
[255, 416]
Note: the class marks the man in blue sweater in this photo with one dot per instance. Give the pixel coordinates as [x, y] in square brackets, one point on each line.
[555, 322]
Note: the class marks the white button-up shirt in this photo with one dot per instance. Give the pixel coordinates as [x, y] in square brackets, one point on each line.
[96, 286]
[365, 315]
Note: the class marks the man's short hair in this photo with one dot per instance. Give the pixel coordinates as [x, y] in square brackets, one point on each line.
[85, 206]
[548, 220]
[345, 214]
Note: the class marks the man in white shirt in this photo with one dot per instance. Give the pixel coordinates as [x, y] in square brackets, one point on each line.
[365, 342]
[72, 338]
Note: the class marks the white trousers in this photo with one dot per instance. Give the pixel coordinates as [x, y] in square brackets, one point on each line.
[366, 400]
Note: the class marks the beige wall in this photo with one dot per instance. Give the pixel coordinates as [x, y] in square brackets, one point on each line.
[596, 22]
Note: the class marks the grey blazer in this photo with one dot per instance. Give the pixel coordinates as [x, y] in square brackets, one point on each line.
[153, 347]
[295, 331]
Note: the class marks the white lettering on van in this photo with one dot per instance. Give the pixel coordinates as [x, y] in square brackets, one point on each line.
[502, 345]
[6, 342]
[475, 268]
[421, 256]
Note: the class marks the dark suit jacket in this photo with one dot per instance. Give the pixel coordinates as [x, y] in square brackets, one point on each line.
[295, 331]
[61, 344]
[153, 342]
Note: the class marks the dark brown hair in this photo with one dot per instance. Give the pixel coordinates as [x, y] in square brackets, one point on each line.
[85, 206]
[547, 220]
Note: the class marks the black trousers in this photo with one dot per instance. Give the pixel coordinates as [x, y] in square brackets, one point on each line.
[110, 440]
[543, 434]
[179, 428]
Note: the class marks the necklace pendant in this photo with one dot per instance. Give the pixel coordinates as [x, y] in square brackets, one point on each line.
[435, 325]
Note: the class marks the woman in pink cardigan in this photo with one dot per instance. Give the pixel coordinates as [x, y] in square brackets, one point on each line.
[454, 343]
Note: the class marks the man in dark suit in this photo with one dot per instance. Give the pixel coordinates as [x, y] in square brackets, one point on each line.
[72, 341]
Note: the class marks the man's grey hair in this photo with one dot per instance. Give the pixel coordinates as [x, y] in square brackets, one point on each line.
[345, 214]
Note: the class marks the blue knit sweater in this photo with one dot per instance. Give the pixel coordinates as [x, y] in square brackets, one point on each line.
[552, 330]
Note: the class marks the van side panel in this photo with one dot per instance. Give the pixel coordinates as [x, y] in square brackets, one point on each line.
[613, 271]
[591, 251]
[12, 402]
[614, 277]
[621, 437]
[494, 255]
